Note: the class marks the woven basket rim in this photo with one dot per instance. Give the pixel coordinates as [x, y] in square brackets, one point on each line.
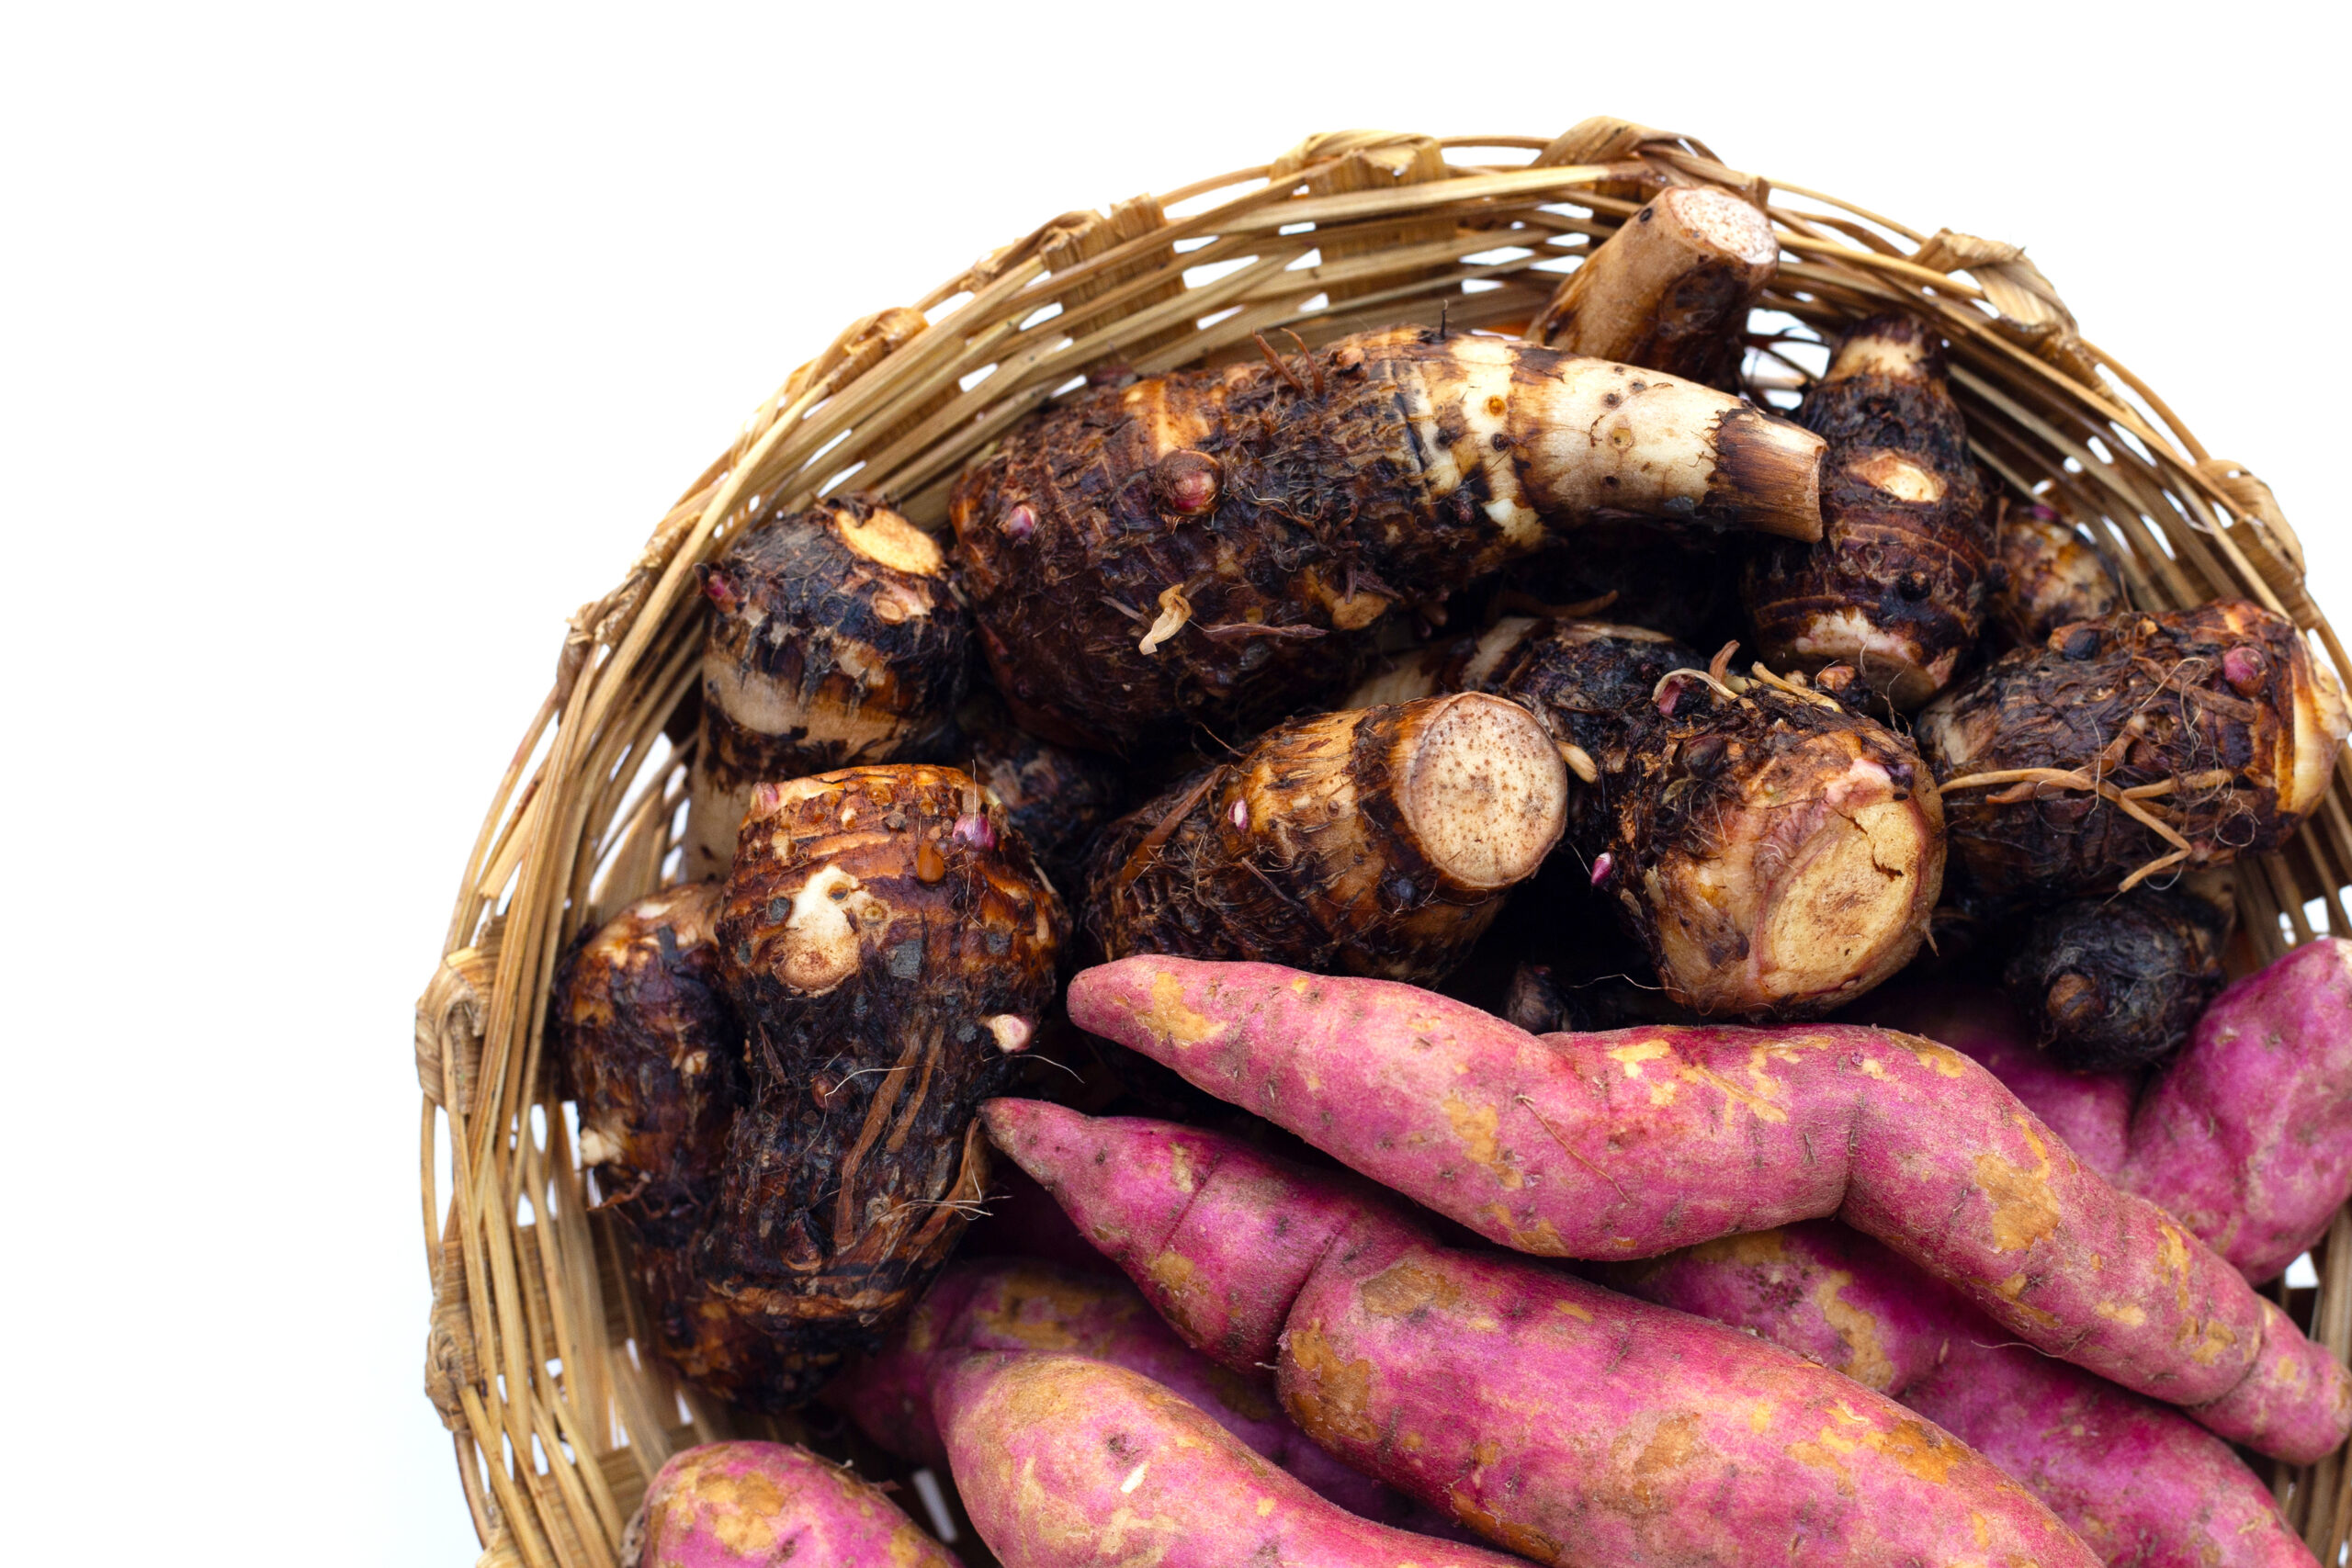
[556, 1422]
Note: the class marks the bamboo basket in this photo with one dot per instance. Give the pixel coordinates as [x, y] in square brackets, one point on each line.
[535, 1359]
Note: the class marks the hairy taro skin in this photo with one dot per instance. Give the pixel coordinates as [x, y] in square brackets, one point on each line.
[1631, 1143]
[1025, 1304]
[747, 1504]
[655, 1055]
[2225, 701]
[837, 636]
[1068, 1462]
[1896, 585]
[1056, 798]
[2142, 1485]
[1559, 1419]
[890, 943]
[1292, 508]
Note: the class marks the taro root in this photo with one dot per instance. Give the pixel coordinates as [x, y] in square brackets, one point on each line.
[1775, 853]
[889, 944]
[1054, 797]
[837, 638]
[1896, 585]
[1671, 289]
[1373, 842]
[2129, 746]
[1211, 547]
[2049, 576]
[1634, 573]
[655, 1055]
[2117, 983]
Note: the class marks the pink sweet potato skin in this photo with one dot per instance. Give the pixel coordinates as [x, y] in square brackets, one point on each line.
[765, 1505]
[2140, 1484]
[1025, 1304]
[2245, 1137]
[1631, 1143]
[1559, 1419]
[1064, 1462]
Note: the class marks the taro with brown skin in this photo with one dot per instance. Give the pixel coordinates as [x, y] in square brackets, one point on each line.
[2049, 576]
[1776, 852]
[1212, 547]
[1671, 289]
[2123, 748]
[2115, 984]
[890, 943]
[1896, 585]
[837, 636]
[655, 1054]
[1372, 841]
[1056, 798]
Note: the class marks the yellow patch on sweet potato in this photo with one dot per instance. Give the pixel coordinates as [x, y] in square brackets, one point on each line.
[1918, 1448]
[1763, 1109]
[2124, 1313]
[1172, 1271]
[1523, 1539]
[1941, 1060]
[1572, 1310]
[1171, 1020]
[1476, 1126]
[1821, 1456]
[1631, 1058]
[1180, 1168]
[1332, 1398]
[1542, 1238]
[1643, 1467]
[745, 1510]
[2024, 1208]
[1406, 1287]
[1866, 1359]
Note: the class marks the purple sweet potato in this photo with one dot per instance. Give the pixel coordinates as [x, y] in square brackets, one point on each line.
[1631, 1143]
[1068, 1462]
[2245, 1137]
[1022, 1304]
[2141, 1485]
[1562, 1420]
[765, 1505]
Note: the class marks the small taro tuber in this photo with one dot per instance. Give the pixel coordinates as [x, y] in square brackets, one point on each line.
[889, 945]
[655, 1055]
[1068, 1462]
[836, 638]
[2140, 1484]
[1377, 841]
[1774, 852]
[1631, 1143]
[1212, 546]
[2245, 1137]
[1896, 585]
[1054, 797]
[1022, 1304]
[2128, 746]
[2116, 983]
[1559, 1419]
[1671, 289]
[2049, 576]
[749, 1505]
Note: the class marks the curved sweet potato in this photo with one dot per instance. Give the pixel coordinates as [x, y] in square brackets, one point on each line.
[1559, 1419]
[1067, 1462]
[1631, 1143]
[2143, 1486]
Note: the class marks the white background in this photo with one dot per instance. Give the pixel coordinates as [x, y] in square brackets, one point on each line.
[347, 349]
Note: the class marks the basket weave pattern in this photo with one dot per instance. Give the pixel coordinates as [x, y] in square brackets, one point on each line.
[535, 1360]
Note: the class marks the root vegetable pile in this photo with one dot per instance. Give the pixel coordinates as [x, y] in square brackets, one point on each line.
[1774, 851]
[1352, 668]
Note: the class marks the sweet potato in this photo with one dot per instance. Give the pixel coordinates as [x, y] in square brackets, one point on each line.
[1214, 546]
[2141, 1485]
[1633, 1144]
[1063, 1461]
[1557, 1418]
[1021, 1305]
[2246, 1138]
[765, 1505]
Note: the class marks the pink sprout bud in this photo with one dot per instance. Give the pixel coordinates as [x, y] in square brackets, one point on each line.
[1013, 1031]
[1602, 866]
[1021, 522]
[1241, 816]
[2243, 667]
[974, 828]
